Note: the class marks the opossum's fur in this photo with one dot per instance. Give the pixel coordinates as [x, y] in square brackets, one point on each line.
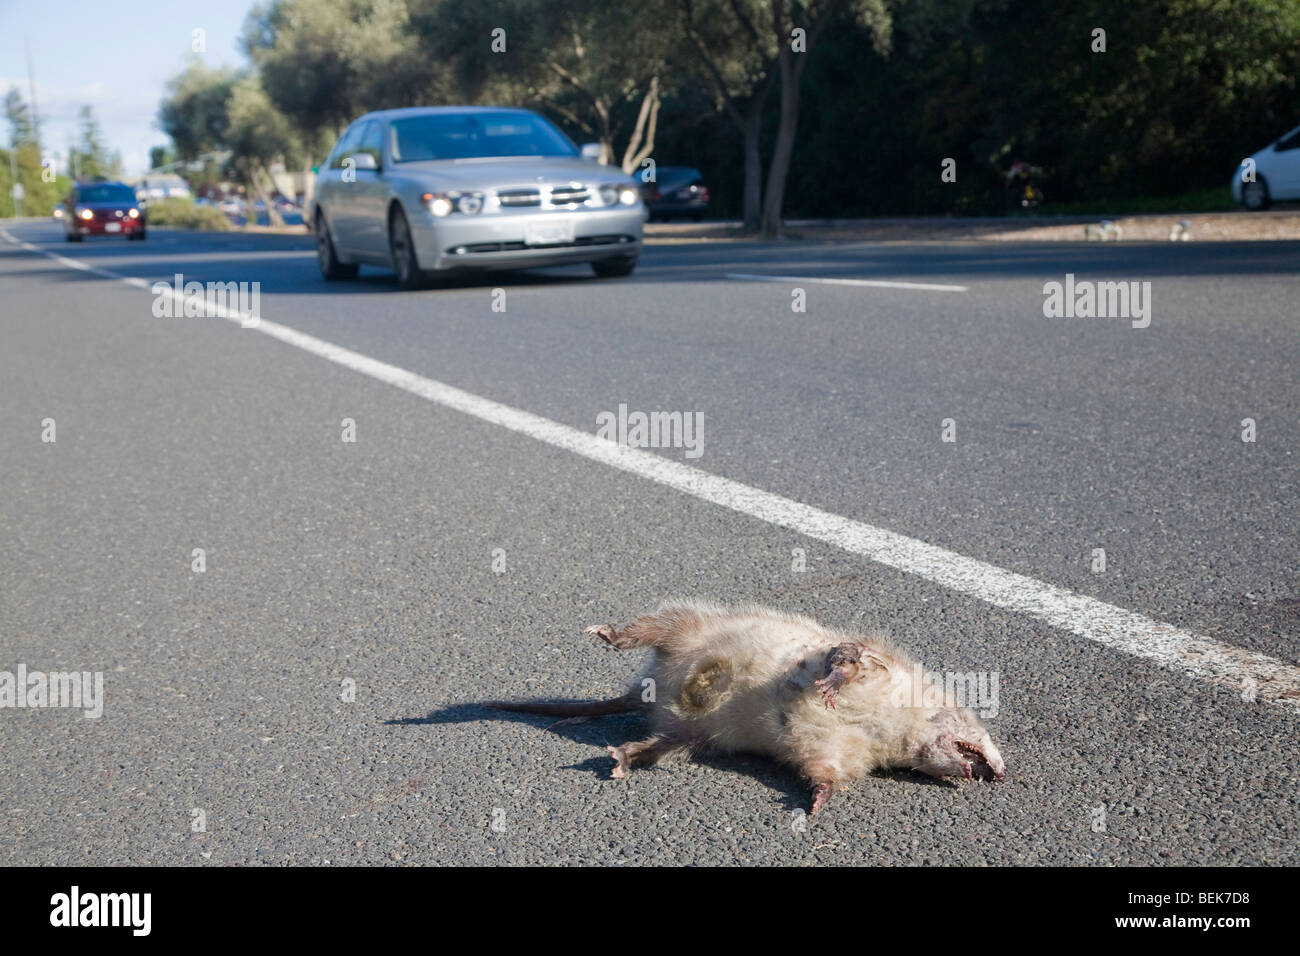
[834, 706]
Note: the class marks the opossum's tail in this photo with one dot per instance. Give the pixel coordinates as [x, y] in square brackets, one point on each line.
[570, 708]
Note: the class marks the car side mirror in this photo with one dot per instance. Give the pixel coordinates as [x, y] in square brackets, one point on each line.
[591, 152]
[363, 161]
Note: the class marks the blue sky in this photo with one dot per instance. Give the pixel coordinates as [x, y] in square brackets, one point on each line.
[115, 55]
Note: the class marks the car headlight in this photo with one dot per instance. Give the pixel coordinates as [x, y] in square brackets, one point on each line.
[619, 194]
[443, 204]
[85, 214]
[134, 213]
[437, 203]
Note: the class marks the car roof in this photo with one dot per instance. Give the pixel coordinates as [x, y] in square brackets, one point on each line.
[410, 111]
[99, 182]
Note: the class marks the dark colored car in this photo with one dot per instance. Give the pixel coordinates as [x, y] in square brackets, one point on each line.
[678, 191]
[103, 209]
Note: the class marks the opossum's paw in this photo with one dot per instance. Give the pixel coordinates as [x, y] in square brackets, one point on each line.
[821, 793]
[622, 764]
[641, 753]
[843, 664]
[610, 635]
[830, 687]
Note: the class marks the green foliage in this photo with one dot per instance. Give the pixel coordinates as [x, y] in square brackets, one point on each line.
[1183, 91]
[193, 113]
[20, 118]
[183, 214]
[160, 156]
[39, 197]
[1203, 200]
[322, 63]
[91, 157]
[255, 130]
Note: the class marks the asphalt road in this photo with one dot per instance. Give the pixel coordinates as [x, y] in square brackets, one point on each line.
[373, 561]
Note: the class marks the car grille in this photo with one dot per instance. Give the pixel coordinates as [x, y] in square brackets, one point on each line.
[574, 194]
[514, 198]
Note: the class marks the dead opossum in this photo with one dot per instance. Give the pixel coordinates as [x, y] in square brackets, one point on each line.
[832, 706]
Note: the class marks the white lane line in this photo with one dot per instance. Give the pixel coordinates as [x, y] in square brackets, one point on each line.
[1249, 672]
[875, 283]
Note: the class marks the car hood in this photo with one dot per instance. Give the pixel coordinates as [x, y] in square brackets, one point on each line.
[508, 172]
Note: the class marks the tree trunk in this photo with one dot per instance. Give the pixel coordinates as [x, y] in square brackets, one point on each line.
[642, 143]
[791, 73]
[259, 187]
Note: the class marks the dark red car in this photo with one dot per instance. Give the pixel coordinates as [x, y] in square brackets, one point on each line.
[102, 209]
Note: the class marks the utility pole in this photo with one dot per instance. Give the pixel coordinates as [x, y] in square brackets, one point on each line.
[31, 94]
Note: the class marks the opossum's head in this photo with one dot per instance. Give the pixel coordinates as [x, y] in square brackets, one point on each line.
[953, 743]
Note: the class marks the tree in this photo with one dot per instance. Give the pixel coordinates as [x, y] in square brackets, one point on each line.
[40, 189]
[740, 64]
[194, 113]
[796, 27]
[322, 63]
[160, 156]
[90, 157]
[589, 62]
[257, 134]
[21, 130]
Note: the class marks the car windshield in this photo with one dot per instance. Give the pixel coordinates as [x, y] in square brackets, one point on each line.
[474, 135]
[122, 194]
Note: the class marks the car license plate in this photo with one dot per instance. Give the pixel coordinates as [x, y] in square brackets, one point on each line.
[551, 232]
[112, 227]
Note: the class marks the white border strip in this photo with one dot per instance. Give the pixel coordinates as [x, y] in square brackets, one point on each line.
[874, 283]
[1255, 675]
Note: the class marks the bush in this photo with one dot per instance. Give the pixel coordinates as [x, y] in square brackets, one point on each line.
[40, 197]
[183, 214]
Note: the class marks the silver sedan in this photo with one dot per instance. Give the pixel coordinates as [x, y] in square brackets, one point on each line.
[429, 189]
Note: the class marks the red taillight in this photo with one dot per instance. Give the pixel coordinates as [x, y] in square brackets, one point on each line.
[704, 193]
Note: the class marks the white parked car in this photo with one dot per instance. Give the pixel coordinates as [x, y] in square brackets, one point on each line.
[1276, 174]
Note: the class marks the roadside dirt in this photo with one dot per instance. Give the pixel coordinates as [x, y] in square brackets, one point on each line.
[1234, 226]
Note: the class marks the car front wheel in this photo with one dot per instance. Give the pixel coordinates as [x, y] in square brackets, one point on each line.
[614, 268]
[1254, 196]
[402, 250]
[326, 256]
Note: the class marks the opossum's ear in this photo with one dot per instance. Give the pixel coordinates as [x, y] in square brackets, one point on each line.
[875, 660]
